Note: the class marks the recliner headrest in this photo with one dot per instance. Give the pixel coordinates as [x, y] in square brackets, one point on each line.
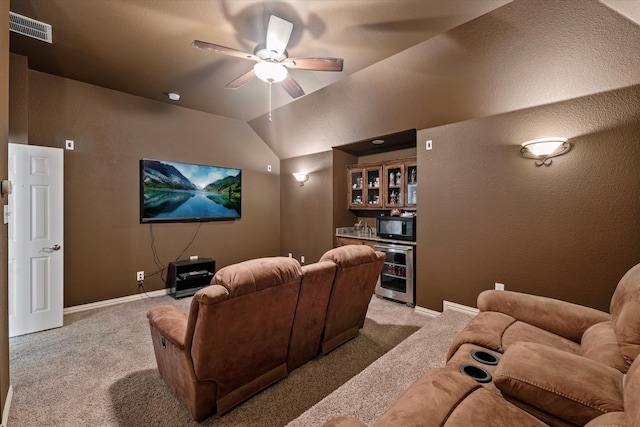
[350, 255]
[257, 274]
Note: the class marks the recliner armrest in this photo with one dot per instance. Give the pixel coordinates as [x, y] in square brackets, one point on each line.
[560, 317]
[563, 384]
[444, 396]
[170, 322]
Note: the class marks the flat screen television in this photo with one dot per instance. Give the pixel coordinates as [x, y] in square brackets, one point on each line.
[185, 192]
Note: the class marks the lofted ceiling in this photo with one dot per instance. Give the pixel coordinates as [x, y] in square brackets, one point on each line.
[407, 63]
[143, 47]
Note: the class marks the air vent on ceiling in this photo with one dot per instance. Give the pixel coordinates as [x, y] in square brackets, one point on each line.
[29, 27]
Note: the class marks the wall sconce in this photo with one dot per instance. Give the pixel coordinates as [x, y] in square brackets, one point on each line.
[543, 149]
[301, 178]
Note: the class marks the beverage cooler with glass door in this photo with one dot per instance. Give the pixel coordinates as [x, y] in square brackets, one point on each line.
[397, 280]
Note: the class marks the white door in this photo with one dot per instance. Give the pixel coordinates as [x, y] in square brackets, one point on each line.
[36, 252]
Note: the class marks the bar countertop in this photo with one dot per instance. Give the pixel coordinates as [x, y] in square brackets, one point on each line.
[351, 233]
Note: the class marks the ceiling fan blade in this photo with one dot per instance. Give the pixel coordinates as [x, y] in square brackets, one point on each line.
[317, 64]
[278, 35]
[241, 81]
[292, 87]
[212, 47]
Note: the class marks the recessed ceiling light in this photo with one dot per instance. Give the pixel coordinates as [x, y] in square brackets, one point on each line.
[173, 96]
[377, 141]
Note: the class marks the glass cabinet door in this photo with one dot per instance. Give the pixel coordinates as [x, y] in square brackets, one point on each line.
[412, 184]
[383, 185]
[393, 185]
[365, 188]
[355, 178]
[374, 186]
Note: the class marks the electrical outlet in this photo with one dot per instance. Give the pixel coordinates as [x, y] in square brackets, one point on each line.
[140, 275]
[268, 168]
[68, 144]
[301, 259]
[499, 286]
[429, 144]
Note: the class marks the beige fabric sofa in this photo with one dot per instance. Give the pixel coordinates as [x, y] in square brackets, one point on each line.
[257, 321]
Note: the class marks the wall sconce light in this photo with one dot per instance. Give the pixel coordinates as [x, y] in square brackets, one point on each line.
[543, 149]
[301, 178]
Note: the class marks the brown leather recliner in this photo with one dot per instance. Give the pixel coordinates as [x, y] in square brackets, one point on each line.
[259, 320]
[509, 317]
[311, 312]
[235, 339]
[563, 365]
[358, 271]
[444, 397]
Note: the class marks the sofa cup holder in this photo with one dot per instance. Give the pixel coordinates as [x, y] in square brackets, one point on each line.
[476, 372]
[484, 357]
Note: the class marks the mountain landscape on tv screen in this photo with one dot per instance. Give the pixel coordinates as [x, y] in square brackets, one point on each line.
[179, 191]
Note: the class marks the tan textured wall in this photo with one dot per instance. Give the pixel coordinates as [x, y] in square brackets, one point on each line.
[104, 242]
[306, 219]
[567, 231]
[4, 135]
[18, 98]
[342, 217]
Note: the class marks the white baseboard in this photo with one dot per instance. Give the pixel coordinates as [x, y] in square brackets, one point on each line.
[114, 301]
[426, 311]
[7, 407]
[448, 305]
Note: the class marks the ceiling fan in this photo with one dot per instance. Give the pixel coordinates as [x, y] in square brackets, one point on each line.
[272, 60]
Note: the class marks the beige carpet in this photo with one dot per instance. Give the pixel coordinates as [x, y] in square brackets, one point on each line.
[99, 370]
[368, 395]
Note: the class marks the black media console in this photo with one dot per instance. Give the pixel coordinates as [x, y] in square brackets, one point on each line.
[185, 278]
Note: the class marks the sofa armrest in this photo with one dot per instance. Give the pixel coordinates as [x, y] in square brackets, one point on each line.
[560, 317]
[563, 384]
[170, 322]
[611, 419]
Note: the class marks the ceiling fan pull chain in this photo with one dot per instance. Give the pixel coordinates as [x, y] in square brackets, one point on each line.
[270, 101]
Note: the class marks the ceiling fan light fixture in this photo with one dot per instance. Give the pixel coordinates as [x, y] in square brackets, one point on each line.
[270, 72]
[273, 60]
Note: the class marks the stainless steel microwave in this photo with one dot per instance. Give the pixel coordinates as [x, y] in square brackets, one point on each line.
[396, 227]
